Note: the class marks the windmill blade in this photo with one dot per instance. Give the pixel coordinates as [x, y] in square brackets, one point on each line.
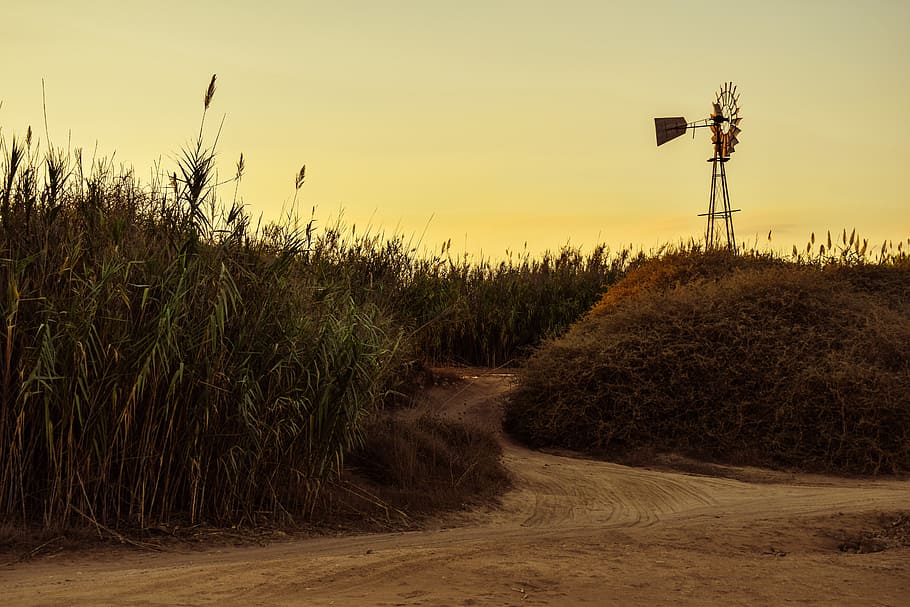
[669, 128]
[718, 111]
[734, 131]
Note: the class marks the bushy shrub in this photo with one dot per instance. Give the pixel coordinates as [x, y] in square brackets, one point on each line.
[741, 360]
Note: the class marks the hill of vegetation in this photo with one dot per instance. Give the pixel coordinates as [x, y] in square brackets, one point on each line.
[744, 359]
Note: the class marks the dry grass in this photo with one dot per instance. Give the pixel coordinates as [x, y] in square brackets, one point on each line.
[889, 530]
[739, 359]
[678, 266]
[409, 468]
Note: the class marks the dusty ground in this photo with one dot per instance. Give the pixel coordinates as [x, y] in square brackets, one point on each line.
[573, 532]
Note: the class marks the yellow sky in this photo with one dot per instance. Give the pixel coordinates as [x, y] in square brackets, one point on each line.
[496, 123]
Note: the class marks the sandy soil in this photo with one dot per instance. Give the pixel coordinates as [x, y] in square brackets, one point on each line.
[572, 532]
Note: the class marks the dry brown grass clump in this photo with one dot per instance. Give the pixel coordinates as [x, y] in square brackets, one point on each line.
[678, 267]
[410, 468]
[762, 363]
[889, 531]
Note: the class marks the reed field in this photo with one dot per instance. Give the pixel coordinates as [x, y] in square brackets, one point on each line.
[464, 311]
[797, 363]
[166, 360]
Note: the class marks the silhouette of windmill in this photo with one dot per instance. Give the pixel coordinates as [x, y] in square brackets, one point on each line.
[724, 124]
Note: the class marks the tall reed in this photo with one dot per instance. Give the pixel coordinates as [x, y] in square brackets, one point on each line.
[466, 311]
[159, 358]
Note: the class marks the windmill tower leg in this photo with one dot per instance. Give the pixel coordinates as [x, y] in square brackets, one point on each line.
[728, 211]
[712, 205]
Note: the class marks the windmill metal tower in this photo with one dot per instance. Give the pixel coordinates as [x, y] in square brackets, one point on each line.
[724, 124]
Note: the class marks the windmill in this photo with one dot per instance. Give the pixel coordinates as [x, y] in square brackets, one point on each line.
[724, 124]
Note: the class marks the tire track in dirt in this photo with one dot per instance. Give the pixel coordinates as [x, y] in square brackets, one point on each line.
[573, 496]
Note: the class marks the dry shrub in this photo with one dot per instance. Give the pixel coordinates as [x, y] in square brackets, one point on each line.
[887, 282]
[763, 363]
[678, 267]
[891, 530]
[418, 466]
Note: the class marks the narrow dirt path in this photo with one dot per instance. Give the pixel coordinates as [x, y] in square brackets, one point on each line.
[573, 532]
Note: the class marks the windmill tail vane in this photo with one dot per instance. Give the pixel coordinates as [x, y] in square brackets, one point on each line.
[724, 123]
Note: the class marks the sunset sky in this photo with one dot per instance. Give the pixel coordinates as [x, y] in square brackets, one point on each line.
[491, 123]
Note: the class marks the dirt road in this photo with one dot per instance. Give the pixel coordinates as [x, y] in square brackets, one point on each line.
[572, 532]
